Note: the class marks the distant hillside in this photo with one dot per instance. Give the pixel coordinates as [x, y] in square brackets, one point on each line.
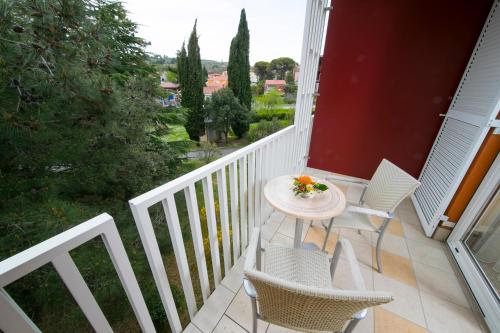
[214, 66]
[165, 62]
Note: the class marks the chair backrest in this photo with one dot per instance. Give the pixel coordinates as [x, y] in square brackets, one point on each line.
[388, 187]
[300, 307]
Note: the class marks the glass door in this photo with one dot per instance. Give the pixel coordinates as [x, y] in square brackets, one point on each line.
[483, 244]
[475, 244]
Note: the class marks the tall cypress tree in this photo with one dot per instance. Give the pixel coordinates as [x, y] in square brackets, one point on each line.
[182, 66]
[239, 71]
[192, 92]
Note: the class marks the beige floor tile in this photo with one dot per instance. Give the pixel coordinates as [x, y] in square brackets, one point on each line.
[434, 256]
[388, 322]
[279, 329]
[240, 311]
[361, 246]
[287, 227]
[343, 279]
[316, 235]
[406, 302]
[396, 267]
[234, 279]
[444, 316]
[394, 228]
[407, 214]
[210, 313]
[439, 283]
[271, 226]
[366, 325]
[227, 325]
[415, 232]
[391, 243]
[353, 235]
[282, 239]
[353, 193]
[190, 328]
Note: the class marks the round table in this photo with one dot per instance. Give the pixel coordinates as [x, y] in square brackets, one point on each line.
[326, 205]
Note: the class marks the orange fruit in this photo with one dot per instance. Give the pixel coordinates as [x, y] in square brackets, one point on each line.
[305, 180]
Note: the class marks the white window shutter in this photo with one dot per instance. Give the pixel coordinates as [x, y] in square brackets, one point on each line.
[472, 110]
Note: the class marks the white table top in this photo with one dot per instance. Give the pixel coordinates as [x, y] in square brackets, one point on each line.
[278, 192]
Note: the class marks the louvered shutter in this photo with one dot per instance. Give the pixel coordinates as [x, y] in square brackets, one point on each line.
[474, 107]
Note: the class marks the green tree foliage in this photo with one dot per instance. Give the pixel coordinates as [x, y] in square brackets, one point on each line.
[280, 66]
[76, 95]
[223, 111]
[290, 88]
[262, 70]
[258, 88]
[77, 135]
[182, 69]
[238, 68]
[205, 75]
[192, 90]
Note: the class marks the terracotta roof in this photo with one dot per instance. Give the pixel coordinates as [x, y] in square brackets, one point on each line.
[275, 82]
[169, 85]
[211, 89]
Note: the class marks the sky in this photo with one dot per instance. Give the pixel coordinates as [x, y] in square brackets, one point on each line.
[275, 26]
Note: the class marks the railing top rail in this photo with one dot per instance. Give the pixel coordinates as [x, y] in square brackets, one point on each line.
[154, 196]
[30, 259]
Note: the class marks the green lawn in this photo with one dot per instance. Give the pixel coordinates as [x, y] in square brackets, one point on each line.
[176, 133]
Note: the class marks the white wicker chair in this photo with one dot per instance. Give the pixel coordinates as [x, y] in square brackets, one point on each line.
[380, 197]
[294, 288]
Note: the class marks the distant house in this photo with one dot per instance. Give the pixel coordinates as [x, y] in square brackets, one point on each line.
[169, 85]
[172, 88]
[215, 82]
[253, 78]
[279, 85]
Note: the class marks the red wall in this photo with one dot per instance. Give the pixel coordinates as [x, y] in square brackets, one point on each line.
[390, 67]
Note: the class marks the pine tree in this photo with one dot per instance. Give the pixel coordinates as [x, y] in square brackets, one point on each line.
[192, 92]
[239, 71]
[77, 137]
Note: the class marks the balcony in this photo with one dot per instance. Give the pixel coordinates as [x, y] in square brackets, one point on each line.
[224, 201]
[428, 295]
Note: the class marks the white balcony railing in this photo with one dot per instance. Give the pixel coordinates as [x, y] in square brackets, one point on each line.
[56, 251]
[241, 207]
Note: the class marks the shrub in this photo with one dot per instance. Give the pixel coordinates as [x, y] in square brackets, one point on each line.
[270, 114]
[265, 128]
[210, 151]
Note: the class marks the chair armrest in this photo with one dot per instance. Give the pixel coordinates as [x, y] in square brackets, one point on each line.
[353, 264]
[253, 248]
[369, 211]
[249, 288]
[349, 181]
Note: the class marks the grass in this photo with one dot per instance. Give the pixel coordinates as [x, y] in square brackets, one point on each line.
[176, 133]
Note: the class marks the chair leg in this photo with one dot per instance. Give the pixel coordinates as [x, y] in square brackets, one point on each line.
[335, 258]
[327, 234]
[352, 324]
[254, 315]
[381, 233]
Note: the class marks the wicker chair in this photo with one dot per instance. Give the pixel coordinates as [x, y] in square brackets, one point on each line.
[294, 288]
[380, 197]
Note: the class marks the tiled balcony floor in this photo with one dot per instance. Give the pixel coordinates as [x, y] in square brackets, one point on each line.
[428, 296]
